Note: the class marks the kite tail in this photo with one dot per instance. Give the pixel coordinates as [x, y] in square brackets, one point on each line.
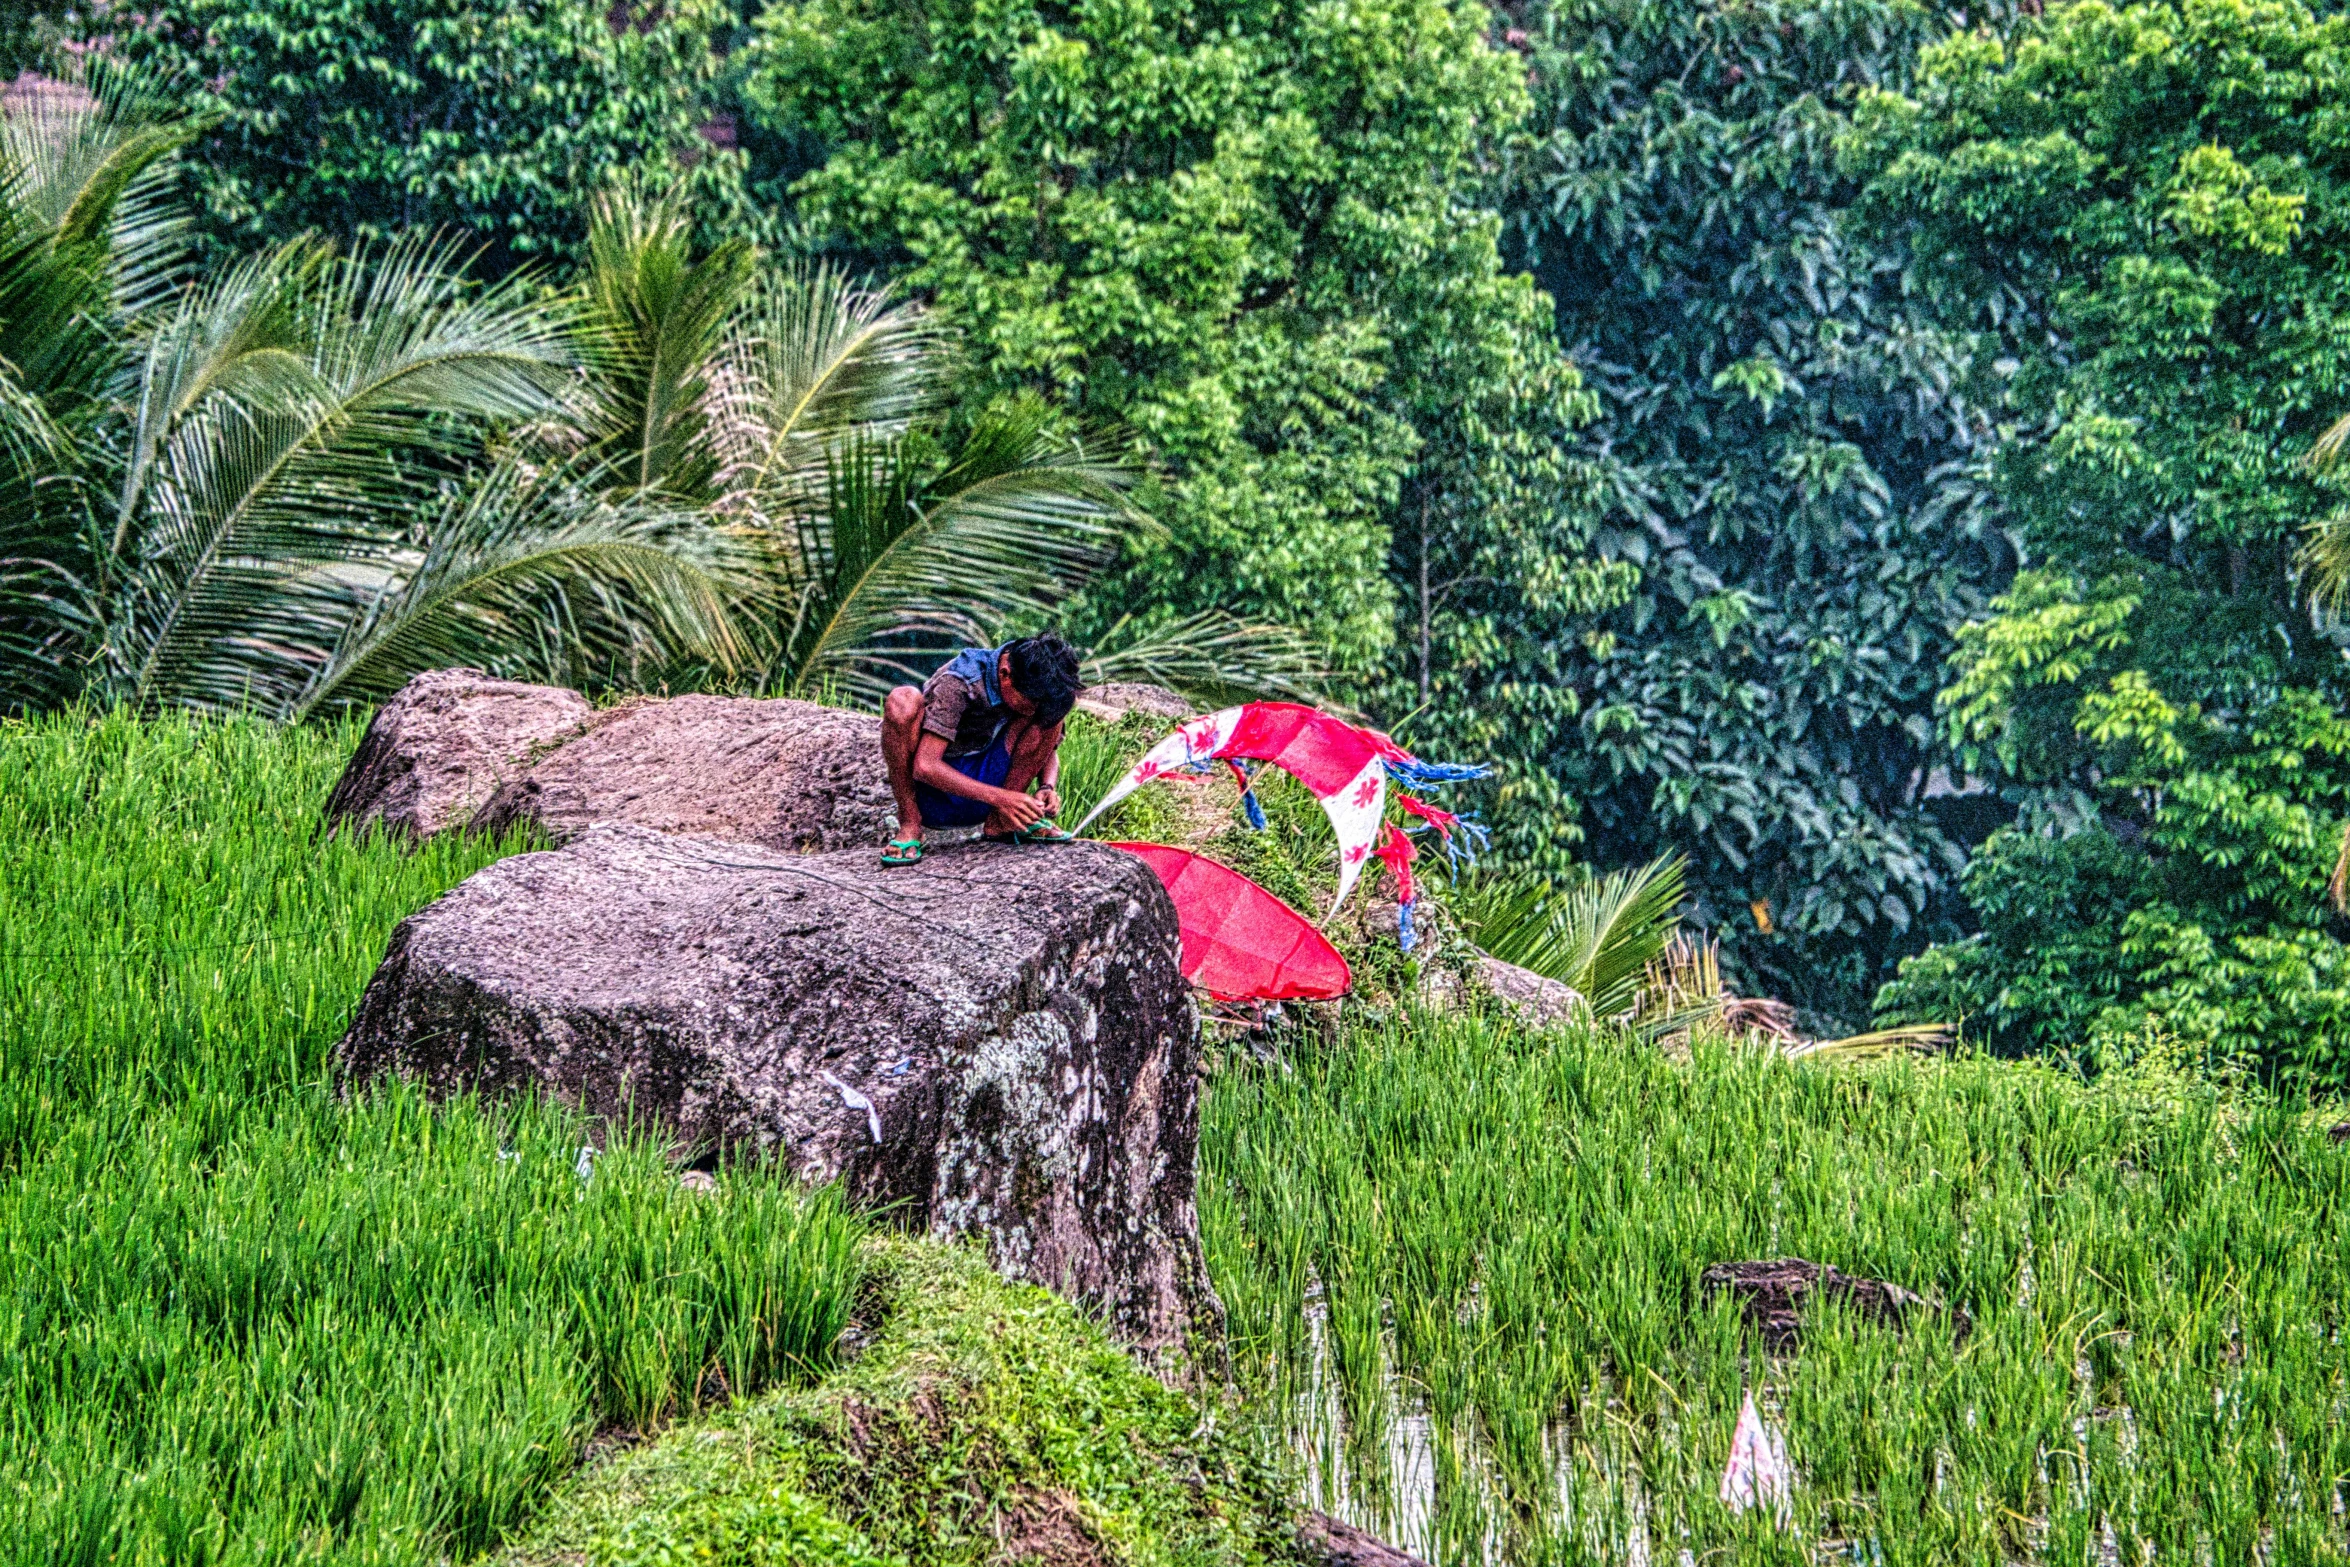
[1248, 796]
[1474, 840]
[1411, 770]
[1396, 853]
[1463, 837]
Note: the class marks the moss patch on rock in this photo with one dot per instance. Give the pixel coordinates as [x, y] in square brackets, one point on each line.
[979, 1422]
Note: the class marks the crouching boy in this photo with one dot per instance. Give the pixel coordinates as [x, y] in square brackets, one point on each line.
[965, 748]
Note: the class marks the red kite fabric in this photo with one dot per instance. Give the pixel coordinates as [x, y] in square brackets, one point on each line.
[1240, 943]
[1343, 765]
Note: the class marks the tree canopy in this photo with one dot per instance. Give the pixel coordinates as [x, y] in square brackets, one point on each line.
[1790, 445]
[367, 118]
[1247, 233]
[2141, 211]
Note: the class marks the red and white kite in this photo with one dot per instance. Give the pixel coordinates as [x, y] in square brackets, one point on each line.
[1240, 943]
[1345, 766]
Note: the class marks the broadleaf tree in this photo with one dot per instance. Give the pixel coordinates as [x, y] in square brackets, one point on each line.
[1248, 234]
[1791, 467]
[365, 119]
[2145, 206]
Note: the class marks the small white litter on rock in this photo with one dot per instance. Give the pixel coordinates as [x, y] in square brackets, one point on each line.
[857, 1101]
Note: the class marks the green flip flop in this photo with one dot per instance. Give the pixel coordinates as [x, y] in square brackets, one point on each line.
[1043, 830]
[902, 851]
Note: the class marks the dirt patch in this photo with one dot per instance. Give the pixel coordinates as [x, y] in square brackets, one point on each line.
[1203, 807]
[1771, 1295]
[1044, 1529]
[871, 1433]
[1322, 1538]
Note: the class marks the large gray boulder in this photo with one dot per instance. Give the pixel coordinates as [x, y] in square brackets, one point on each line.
[998, 1040]
[435, 753]
[789, 775]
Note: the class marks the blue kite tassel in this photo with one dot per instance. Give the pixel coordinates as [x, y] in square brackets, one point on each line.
[1404, 934]
[1256, 812]
[1416, 771]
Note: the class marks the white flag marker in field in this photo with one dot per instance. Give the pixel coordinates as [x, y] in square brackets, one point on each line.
[1758, 1474]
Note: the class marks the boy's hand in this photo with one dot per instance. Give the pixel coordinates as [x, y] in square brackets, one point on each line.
[1021, 810]
[1050, 798]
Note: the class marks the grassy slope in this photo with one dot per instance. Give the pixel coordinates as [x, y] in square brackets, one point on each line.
[1505, 1235]
[243, 1319]
[979, 1417]
[236, 1310]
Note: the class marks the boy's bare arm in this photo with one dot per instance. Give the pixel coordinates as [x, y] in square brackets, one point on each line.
[930, 767]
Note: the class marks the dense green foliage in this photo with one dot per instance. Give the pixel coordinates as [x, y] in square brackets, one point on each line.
[1788, 441]
[245, 1319]
[980, 1423]
[282, 485]
[373, 117]
[1246, 232]
[1448, 1219]
[1650, 399]
[2144, 208]
[303, 479]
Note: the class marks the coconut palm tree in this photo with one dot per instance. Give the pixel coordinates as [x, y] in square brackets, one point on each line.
[804, 411]
[297, 481]
[284, 486]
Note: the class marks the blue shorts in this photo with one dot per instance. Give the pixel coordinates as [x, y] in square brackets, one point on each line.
[991, 766]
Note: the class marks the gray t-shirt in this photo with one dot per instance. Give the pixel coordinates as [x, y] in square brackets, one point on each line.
[957, 710]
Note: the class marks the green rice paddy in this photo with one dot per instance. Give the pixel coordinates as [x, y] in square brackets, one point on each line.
[246, 1319]
[1462, 1266]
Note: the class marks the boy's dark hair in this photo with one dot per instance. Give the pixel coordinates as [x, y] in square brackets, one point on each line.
[1045, 669]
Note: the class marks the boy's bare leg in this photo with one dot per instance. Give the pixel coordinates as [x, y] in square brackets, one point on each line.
[901, 736]
[1031, 749]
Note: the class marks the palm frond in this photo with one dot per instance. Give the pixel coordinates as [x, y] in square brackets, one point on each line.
[326, 454]
[654, 324]
[1600, 938]
[812, 358]
[1872, 1046]
[638, 581]
[1617, 924]
[2327, 449]
[47, 618]
[28, 435]
[1212, 658]
[1680, 988]
[241, 338]
[899, 563]
[91, 165]
[2325, 559]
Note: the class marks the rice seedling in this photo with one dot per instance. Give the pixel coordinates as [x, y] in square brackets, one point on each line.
[244, 1320]
[1462, 1265]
